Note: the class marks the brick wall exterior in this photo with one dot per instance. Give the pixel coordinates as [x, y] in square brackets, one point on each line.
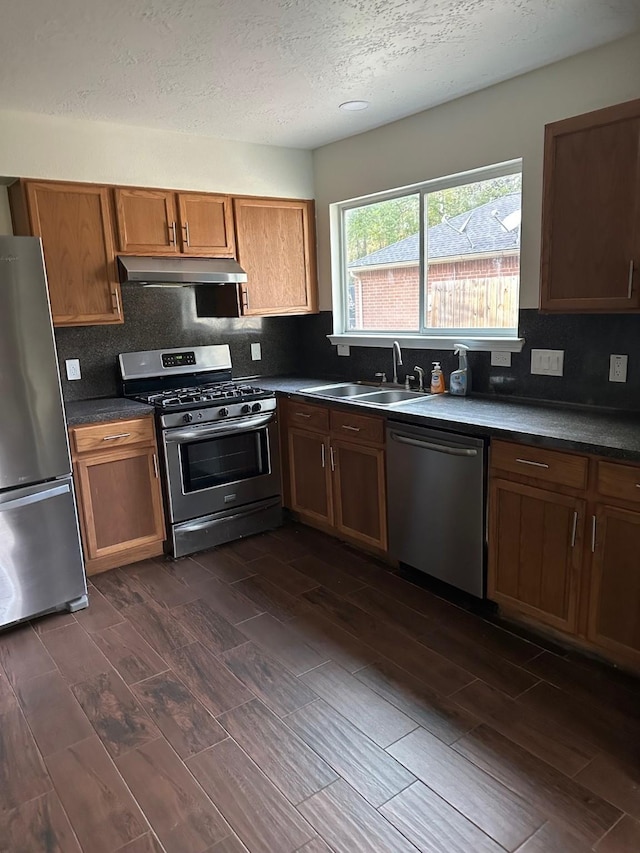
[474, 293]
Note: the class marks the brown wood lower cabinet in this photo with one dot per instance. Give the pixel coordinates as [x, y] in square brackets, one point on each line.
[565, 555]
[310, 475]
[119, 495]
[614, 611]
[536, 540]
[360, 509]
[337, 483]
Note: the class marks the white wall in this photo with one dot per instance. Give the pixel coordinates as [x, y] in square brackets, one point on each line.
[37, 146]
[500, 123]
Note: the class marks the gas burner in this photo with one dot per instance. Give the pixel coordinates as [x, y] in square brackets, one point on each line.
[215, 393]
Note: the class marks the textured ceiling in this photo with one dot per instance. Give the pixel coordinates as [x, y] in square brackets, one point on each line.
[274, 71]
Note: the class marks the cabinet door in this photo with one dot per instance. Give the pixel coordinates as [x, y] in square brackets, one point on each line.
[591, 212]
[206, 225]
[120, 502]
[360, 494]
[276, 247]
[614, 607]
[535, 546]
[147, 221]
[74, 223]
[310, 472]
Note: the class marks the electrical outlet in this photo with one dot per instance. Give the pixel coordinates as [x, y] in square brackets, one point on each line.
[500, 358]
[344, 349]
[73, 368]
[547, 362]
[256, 352]
[618, 368]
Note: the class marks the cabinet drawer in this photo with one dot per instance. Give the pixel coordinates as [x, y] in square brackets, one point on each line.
[357, 427]
[103, 436]
[308, 417]
[619, 481]
[550, 465]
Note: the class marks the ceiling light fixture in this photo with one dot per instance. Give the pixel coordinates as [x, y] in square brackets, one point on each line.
[354, 106]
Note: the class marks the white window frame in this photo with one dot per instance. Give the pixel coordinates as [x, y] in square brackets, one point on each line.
[494, 339]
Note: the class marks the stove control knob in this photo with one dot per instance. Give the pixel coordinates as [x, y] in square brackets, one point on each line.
[257, 407]
[187, 418]
[222, 413]
[245, 409]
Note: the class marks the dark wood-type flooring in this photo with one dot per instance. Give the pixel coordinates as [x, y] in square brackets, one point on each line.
[285, 693]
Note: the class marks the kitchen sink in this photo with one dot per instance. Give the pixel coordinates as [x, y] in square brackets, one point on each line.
[363, 393]
[391, 397]
[343, 389]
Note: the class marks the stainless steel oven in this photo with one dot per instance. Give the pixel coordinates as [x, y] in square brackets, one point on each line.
[221, 460]
[223, 480]
[217, 466]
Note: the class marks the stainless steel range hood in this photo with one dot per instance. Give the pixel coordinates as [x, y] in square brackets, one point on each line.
[179, 271]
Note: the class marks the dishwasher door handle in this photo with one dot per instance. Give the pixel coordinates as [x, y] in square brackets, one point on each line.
[439, 448]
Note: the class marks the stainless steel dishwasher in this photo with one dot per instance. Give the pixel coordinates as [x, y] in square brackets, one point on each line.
[436, 487]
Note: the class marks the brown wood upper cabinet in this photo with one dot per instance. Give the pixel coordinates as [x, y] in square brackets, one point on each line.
[591, 212]
[165, 222]
[276, 247]
[75, 225]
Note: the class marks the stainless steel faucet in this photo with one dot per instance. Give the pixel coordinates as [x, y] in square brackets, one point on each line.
[397, 360]
[420, 373]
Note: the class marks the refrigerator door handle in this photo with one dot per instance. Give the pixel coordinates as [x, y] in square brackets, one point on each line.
[5, 506]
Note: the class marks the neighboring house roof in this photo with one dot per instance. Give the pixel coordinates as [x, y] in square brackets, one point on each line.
[475, 232]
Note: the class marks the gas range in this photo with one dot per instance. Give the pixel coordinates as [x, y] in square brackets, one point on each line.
[205, 403]
[186, 386]
[220, 447]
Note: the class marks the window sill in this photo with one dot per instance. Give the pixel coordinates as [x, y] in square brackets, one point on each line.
[477, 344]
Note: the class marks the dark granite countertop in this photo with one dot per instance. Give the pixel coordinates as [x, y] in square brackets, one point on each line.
[104, 409]
[599, 431]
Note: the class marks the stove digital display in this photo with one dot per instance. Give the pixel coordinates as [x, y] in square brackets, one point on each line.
[178, 359]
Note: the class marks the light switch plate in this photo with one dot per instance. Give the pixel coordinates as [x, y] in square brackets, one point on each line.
[73, 368]
[256, 352]
[547, 362]
[618, 368]
[344, 349]
[500, 358]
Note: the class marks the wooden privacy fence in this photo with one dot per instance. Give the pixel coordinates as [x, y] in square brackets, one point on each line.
[469, 303]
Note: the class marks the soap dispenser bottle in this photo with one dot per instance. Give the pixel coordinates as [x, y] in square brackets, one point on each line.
[460, 379]
[437, 379]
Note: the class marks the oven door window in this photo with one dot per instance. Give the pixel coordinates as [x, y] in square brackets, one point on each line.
[223, 460]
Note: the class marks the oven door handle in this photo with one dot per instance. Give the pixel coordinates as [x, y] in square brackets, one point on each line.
[210, 430]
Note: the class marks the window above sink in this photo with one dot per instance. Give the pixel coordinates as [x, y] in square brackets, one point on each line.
[431, 264]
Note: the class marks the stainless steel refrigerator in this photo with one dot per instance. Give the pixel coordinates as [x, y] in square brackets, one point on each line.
[41, 565]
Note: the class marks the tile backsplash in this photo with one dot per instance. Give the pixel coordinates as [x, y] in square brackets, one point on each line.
[587, 340]
[157, 318]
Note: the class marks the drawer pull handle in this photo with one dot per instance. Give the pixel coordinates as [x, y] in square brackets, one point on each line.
[332, 458]
[594, 524]
[574, 529]
[302, 415]
[186, 233]
[113, 437]
[172, 234]
[352, 428]
[630, 288]
[530, 462]
[637, 485]
[115, 302]
[323, 455]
